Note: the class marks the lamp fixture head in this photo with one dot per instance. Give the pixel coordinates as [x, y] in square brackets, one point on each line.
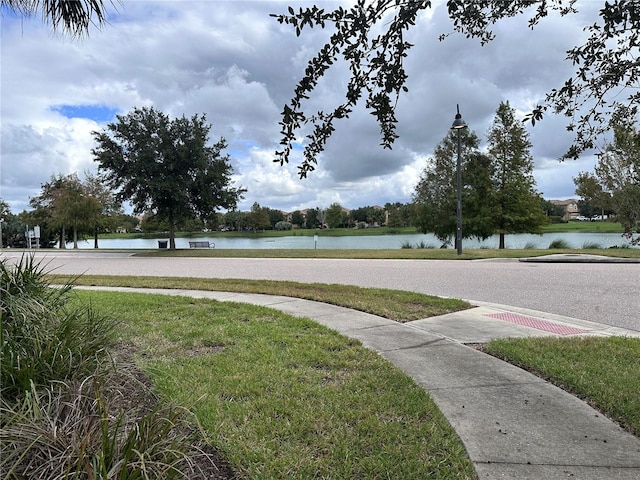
[458, 123]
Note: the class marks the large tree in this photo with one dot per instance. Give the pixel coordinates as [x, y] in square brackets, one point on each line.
[258, 217]
[593, 198]
[71, 16]
[335, 215]
[43, 212]
[369, 38]
[618, 170]
[394, 215]
[297, 218]
[76, 208]
[275, 216]
[313, 218]
[236, 220]
[110, 209]
[435, 196]
[515, 204]
[12, 228]
[5, 213]
[166, 166]
[359, 214]
[65, 202]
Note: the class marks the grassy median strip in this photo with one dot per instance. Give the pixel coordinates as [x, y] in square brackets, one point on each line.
[283, 397]
[398, 305]
[388, 254]
[601, 370]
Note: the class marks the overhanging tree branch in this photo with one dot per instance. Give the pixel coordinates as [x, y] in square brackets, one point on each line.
[375, 63]
[606, 64]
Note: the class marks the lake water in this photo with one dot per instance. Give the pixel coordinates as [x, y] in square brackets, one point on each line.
[574, 240]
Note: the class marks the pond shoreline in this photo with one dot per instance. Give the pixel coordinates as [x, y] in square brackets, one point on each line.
[573, 240]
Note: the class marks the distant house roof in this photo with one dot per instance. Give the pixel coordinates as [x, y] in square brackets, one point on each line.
[564, 203]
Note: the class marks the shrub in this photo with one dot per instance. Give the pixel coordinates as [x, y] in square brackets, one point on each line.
[529, 246]
[283, 226]
[420, 244]
[591, 246]
[104, 426]
[42, 337]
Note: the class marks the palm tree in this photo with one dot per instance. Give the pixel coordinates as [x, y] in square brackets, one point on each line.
[72, 17]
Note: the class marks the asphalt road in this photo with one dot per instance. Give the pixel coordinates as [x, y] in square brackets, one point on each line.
[599, 292]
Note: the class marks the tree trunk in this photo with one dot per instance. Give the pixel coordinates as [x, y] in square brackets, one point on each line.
[172, 233]
[501, 246]
[95, 238]
[75, 237]
[63, 234]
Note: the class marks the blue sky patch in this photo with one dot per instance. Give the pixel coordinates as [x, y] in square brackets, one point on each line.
[98, 113]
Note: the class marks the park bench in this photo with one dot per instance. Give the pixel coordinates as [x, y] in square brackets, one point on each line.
[202, 245]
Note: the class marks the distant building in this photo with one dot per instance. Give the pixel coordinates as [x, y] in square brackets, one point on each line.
[569, 208]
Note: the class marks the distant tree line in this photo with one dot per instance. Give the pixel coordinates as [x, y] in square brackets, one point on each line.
[335, 216]
[68, 209]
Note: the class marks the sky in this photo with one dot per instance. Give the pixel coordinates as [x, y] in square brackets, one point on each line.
[233, 62]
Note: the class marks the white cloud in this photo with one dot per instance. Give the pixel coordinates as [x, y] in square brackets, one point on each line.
[235, 63]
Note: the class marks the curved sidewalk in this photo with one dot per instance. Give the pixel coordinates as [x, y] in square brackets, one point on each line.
[513, 424]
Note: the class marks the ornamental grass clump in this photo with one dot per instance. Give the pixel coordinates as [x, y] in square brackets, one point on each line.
[42, 337]
[558, 243]
[105, 426]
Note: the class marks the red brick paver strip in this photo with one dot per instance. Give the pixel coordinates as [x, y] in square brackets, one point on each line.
[536, 323]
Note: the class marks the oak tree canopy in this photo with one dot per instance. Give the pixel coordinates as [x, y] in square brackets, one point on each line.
[369, 38]
[166, 166]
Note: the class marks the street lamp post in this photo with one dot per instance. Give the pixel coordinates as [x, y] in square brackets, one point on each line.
[459, 124]
[1, 220]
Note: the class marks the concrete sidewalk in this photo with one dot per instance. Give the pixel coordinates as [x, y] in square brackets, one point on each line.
[513, 424]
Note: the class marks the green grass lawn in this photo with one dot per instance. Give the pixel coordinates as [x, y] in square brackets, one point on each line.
[387, 254]
[398, 305]
[283, 397]
[586, 227]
